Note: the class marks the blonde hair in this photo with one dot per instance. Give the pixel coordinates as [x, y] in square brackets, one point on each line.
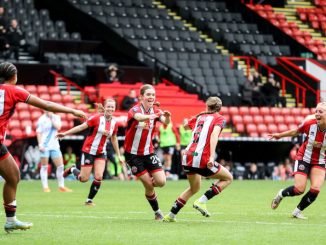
[100, 107]
[214, 104]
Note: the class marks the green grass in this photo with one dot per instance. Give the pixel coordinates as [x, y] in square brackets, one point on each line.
[240, 215]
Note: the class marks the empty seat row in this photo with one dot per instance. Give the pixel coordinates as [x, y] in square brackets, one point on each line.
[154, 34]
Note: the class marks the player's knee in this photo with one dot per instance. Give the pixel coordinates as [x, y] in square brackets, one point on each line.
[159, 183]
[299, 190]
[98, 177]
[83, 179]
[229, 179]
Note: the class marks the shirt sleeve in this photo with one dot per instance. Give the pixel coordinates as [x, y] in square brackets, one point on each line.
[93, 121]
[133, 111]
[192, 123]
[220, 121]
[20, 94]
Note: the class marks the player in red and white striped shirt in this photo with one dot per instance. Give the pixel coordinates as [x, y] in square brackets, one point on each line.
[102, 126]
[138, 145]
[10, 95]
[310, 161]
[199, 159]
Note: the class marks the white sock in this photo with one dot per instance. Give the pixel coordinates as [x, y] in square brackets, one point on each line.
[59, 173]
[11, 219]
[44, 176]
[296, 211]
[280, 193]
[158, 211]
[13, 203]
[203, 199]
[172, 215]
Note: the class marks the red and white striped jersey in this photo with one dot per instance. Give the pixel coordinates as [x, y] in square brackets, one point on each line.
[95, 142]
[139, 135]
[10, 95]
[198, 151]
[313, 148]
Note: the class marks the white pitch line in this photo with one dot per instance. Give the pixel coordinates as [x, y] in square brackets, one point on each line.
[300, 222]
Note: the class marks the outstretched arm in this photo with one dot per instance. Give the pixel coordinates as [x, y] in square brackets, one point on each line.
[54, 107]
[288, 133]
[141, 117]
[73, 130]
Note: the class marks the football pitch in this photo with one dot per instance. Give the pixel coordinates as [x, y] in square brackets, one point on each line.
[240, 215]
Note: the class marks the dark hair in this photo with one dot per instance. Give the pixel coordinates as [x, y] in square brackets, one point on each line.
[7, 71]
[214, 104]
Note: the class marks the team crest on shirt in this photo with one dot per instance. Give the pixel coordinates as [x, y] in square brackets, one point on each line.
[134, 169]
[301, 167]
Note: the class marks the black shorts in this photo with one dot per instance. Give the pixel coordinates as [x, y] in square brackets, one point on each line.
[168, 150]
[302, 167]
[87, 160]
[141, 164]
[4, 153]
[206, 172]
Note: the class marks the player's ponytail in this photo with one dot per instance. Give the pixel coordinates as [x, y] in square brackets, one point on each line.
[99, 107]
[7, 71]
[214, 104]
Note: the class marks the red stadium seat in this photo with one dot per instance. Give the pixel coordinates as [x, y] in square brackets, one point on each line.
[224, 110]
[282, 127]
[31, 88]
[237, 119]
[275, 111]
[25, 123]
[268, 119]
[45, 96]
[262, 128]
[299, 119]
[251, 128]
[305, 111]
[54, 90]
[24, 115]
[67, 98]
[240, 128]
[36, 114]
[254, 110]
[272, 128]
[16, 133]
[264, 111]
[13, 124]
[42, 89]
[286, 111]
[22, 107]
[278, 119]
[293, 126]
[258, 119]
[296, 111]
[57, 98]
[243, 110]
[247, 119]
[289, 119]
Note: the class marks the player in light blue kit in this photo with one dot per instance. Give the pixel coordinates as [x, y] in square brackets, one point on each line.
[47, 127]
